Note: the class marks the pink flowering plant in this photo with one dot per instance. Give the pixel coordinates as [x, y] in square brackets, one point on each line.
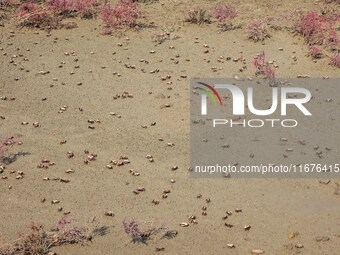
[125, 13]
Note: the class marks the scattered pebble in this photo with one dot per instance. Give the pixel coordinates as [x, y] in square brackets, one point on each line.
[257, 251]
[109, 213]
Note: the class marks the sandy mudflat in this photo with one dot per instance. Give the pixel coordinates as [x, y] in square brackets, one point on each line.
[274, 208]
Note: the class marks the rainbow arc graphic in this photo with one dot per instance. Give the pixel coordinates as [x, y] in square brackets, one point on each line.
[209, 90]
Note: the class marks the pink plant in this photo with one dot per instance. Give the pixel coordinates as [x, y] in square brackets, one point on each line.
[36, 240]
[124, 14]
[131, 227]
[107, 12]
[260, 60]
[317, 29]
[223, 12]
[263, 67]
[26, 8]
[269, 72]
[49, 14]
[315, 51]
[86, 8]
[60, 6]
[310, 26]
[257, 30]
[334, 60]
[198, 15]
[63, 221]
[333, 39]
[70, 234]
[34, 15]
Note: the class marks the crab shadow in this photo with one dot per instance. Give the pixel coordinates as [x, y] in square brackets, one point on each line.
[100, 231]
[147, 236]
[13, 157]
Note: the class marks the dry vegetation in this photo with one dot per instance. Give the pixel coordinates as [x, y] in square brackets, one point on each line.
[36, 240]
[318, 27]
